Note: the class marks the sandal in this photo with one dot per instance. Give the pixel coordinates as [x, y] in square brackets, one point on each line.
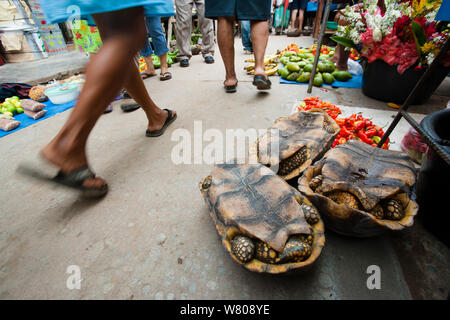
[145, 75]
[128, 107]
[261, 83]
[230, 89]
[165, 76]
[156, 133]
[73, 179]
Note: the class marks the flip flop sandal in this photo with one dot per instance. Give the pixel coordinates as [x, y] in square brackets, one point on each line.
[160, 132]
[128, 107]
[230, 89]
[261, 83]
[73, 179]
[145, 75]
[165, 76]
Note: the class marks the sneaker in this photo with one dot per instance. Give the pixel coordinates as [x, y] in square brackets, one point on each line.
[209, 59]
[248, 52]
[184, 63]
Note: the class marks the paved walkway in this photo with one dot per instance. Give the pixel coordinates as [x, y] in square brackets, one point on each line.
[152, 237]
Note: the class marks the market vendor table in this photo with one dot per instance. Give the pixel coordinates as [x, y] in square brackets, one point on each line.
[51, 108]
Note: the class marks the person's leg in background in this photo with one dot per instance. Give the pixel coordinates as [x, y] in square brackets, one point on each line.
[183, 30]
[225, 39]
[146, 53]
[207, 31]
[113, 67]
[159, 42]
[294, 13]
[245, 33]
[301, 13]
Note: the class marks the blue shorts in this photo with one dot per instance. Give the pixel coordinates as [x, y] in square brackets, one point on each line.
[298, 4]
[241, 9]
[63, 10]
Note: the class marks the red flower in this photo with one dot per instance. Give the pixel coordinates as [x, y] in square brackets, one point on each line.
[78, 36]
[93, 29]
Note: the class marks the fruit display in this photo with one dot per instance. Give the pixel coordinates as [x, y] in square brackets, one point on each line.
[11, 106]
[265, 225]
[354, 127]
[298, 65]
[270, 64]
[361, 190]
[171, 59]
[354, 55]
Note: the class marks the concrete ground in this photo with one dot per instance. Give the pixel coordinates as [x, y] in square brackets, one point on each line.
[152, 237]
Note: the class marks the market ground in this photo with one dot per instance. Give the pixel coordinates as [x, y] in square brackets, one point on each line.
[152, 237]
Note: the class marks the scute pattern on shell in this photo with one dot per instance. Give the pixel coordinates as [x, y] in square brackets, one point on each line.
[243, 200]
[313, 130]
[358, 183]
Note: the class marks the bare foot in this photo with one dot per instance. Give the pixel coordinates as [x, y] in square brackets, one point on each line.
[159, 120]
[68, 162]
[231, 81]
[261, 72]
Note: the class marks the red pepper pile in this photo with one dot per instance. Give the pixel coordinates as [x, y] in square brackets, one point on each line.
[353, 127]
[360, 128]
[314, 102]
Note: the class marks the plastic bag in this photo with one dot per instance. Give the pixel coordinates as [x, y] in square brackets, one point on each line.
[8, 123]
[354, 67]
[413, 145]
[31, 105]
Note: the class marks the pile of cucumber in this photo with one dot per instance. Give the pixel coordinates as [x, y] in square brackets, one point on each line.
[298, 66]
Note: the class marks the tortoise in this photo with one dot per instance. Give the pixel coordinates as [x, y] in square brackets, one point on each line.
[302, 138]
[362, 190]
[266, 225]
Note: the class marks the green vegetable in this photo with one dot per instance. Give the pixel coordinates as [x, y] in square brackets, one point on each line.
[328, 78]
[304, 77]
[283, 72]
[292, 67]
[293, 76]
[308, 68]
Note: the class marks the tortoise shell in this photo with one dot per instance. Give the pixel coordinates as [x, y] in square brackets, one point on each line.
[366, 179]
[300, 139]
[251, 200]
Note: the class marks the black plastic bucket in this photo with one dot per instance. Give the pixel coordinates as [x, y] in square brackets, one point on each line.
[433, 183]
[382, 82]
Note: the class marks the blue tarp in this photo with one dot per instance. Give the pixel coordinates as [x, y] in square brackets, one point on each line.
[444, 11]
[51, 108]
[312, 6]
[355, 82]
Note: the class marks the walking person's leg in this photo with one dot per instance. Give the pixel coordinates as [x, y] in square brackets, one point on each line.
[207, 31]
[260, 37]
[183, 30]
[225, 39]
[123, 33]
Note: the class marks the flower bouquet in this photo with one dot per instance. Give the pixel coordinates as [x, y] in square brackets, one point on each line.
[398, 39]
